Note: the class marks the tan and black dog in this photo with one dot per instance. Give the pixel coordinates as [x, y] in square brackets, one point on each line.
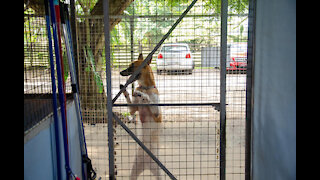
[150, 116]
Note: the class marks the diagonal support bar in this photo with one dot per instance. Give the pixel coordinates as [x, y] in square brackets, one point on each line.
[148, 58]
[131, 79]
[143, 147]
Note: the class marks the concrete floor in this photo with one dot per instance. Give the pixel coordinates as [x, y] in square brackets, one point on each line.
[189, 143]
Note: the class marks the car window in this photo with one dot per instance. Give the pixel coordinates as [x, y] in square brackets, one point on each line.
[173, 48]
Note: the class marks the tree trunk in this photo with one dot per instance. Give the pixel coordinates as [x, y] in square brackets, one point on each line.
[91, 33]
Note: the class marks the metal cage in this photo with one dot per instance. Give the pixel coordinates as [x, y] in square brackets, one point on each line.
[203, 130]
[190, 139]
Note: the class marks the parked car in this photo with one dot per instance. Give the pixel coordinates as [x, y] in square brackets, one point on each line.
[175, 57]
[238, 55]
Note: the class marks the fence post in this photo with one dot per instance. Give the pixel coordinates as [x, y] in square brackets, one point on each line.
[223, 56]
[109, 95]
[131, 42]
[74, 39]
[249, 89]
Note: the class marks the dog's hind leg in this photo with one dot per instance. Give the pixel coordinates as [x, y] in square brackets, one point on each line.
[155, 170]
[138, 165]
[135, 172]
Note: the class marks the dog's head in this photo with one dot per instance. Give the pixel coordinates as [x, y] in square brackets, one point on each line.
[145, 76]
[134, 66]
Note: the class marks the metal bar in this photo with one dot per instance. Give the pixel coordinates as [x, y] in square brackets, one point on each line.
[54, 92]
[54, 12]
[249, 89]
[215, 105]
[223, 57]
[170, 104]
[156, 16]
[130, 80]
[74, 84]
[76, 79]
[74, 38]
[109, 85]
[144, 147]
[132, 43]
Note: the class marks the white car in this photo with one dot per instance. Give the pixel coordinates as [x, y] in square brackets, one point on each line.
[175, 57]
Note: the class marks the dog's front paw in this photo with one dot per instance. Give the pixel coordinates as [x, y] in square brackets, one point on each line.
[137, 94]
[144, 99]
[141, 97]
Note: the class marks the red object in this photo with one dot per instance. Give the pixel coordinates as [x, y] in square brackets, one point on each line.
[237, 66]
[58, 19]
[77, 178]
[188, 55]
[160, 56]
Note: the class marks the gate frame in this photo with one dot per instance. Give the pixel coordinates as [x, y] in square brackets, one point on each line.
[218, 106]
[249, 87]
[109, 85]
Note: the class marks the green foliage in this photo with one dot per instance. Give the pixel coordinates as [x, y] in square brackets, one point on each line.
[214, 6]
[163, 13]
[234, 6]
[65, 65]
[84, 7]
[91, 67]
[238, 6]
[150, 31]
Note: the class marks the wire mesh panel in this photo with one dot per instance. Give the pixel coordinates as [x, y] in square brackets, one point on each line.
[186, 70]
[37, 81]
[37, 78]
[188, 138]
[236, 96]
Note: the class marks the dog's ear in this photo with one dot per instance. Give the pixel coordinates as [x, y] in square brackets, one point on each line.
[140, 58]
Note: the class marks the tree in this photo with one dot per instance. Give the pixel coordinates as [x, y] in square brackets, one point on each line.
[91, 95]
[90, 52]
[91, 37]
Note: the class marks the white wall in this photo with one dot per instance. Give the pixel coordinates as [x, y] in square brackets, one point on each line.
[40, 151]
[274, 113]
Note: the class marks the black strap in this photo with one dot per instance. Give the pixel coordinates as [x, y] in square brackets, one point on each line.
[90, 172]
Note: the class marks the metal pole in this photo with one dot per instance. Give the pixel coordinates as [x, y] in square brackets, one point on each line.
[55, 18]
[249, 89]
[217, 105]
[68, 43]
[223, 56]
[109, 95]
[74, 37]
[131, 41]
[54, 92]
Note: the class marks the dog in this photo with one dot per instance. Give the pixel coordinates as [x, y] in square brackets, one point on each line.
[150, 116]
